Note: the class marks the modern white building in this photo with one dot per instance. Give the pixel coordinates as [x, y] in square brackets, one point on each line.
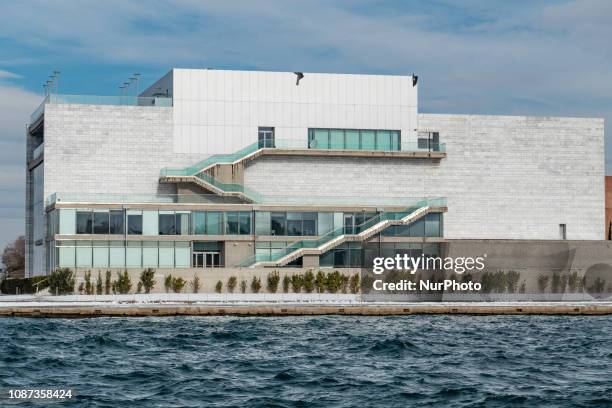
[215, 168]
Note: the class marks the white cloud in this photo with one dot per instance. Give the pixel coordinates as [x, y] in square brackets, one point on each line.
[6, 74]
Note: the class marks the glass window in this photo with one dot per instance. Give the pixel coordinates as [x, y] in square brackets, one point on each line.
[133, 254]
[231, 223]
[67, 221]
[432, 225]
[134, 223]
[319, 139]
[84, 222]
[150, 223]
[182, 253]
[83, 254]
[116, 222]
[100, 223]
[417, 228]
[67, 253]
[309, 225]
[100, 254]
[166, 254]
[117, 254]
[278, 223]
[327, 259]
[245, 223]
[341, 257]
[294, 223]
[395, 140]
[182, 223]
[167, 223]
[368, 140]
[336, 139]
[199, 222]
[265, 137]
[213, 223]
[149, 254]
[262, 223]
[383, 140]
[352, 140]
[325, 222]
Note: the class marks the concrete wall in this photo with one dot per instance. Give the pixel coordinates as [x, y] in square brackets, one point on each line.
[109, 149]
[509, 177]
[218, 111]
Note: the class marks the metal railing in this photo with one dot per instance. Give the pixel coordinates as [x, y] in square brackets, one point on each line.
[338, 232]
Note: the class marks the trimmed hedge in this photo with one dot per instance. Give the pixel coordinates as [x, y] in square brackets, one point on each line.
[25, 285]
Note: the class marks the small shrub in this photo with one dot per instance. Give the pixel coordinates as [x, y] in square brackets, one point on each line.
[309, 282]
[243, 286]
[81, 288]
[89, 288]
[273, 280]
[231, 284]
[195, 284]
[354, 282]
[168, 283]
[219, 287]
[334, 281]
[99, 285]
[487, 282]
[543, 282]
[512, 279]
[61, 281]
[147, 280]
[297, 282]
[255, 284]
[573, 281]
[139, 287]
[107, 283]
[123, 284]
[500, 281]
[523, 287]
[321, 282]
[286, 282]
[344, 284]
[178, 284]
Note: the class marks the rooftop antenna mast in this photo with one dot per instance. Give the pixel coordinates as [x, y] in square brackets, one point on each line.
[56, 74]
[137, 80]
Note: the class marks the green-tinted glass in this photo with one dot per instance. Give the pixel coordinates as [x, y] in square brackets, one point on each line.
[368, 140]
[383, 140]
[336, 139]
[352, 140]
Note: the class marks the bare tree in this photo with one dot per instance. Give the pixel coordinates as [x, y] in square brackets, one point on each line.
[13, 257]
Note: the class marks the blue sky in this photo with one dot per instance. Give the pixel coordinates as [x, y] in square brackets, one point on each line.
[473, 56]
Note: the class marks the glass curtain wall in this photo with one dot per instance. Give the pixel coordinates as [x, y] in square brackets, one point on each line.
[354, 139]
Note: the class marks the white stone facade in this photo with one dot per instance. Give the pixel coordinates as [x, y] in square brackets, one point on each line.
[505, 177]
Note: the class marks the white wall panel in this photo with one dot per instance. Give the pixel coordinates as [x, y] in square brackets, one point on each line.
[236, 99]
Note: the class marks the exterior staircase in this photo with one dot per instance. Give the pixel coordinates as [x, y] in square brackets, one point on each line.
[334, 238]
[199, 174]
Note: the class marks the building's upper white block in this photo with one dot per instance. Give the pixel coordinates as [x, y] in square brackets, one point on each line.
[259, 86]
[218, 111]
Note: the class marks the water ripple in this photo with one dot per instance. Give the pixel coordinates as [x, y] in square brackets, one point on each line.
[313, 361]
